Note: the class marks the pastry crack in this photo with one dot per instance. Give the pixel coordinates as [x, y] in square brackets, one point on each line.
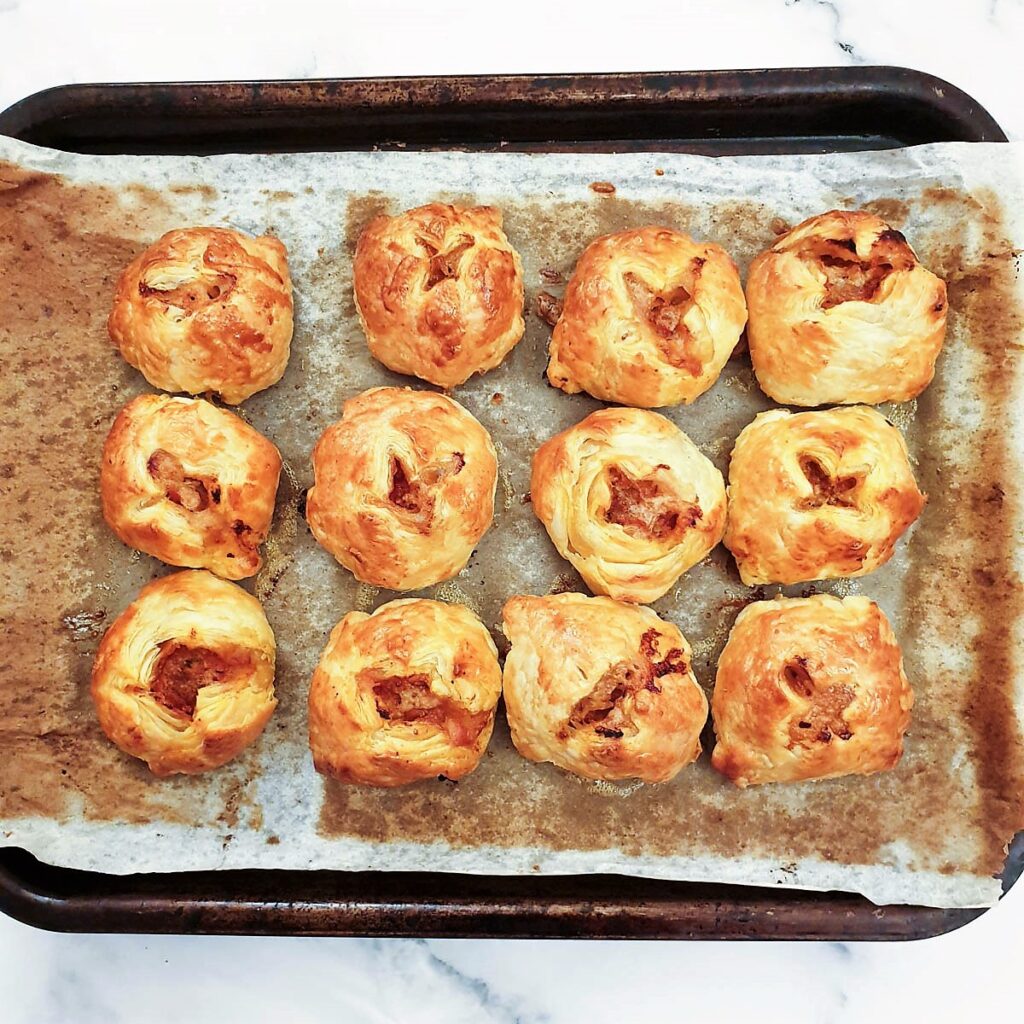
[826, 488]
[190, 492]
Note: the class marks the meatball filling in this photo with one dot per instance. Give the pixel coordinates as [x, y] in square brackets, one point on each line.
[643, 507]
[822, 718]
[602, 709]
[181, 672]
[190, 492]
[837, 491]
[409, 699]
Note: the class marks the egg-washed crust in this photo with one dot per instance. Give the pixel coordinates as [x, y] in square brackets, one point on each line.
[439, 291]
[184, 678]
[602, 689]
[649, 319]
[190, 484]
[818, 495]
[206, 310]
[405, 693]
[629, 500]
[809, 688]
[842, 312]
[403, 487]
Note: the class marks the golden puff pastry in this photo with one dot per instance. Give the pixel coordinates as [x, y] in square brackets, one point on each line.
[815, 495]
[809, 688]
[649, 319]
[206, 309]
[602, 689]
[629, 500]
[439, 291]
[190, 484]
[403, 487]
[404, 694]
[184, 678]
[842, 312]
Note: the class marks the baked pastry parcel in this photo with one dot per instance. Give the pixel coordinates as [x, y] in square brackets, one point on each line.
[184, 678]
[629, 500]
[815, 495]
[190, 484]
[206, 309]
[403, 487]
[842, 312]
[649, 318]
[439, 291]
[602, 689]
[405, 693]
[809, 688]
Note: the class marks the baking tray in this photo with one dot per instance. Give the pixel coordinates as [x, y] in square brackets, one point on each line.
[777, 111]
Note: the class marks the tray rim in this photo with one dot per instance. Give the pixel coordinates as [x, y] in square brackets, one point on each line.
[924, 91]
[28, 901]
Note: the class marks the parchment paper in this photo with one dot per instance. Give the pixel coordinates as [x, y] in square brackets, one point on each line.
[933, 831]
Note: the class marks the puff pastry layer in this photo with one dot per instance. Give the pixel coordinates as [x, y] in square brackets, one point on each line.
[815, 495]
[842, 312]
[184, 678]
[629, 500]
[206, 309]
[190, 484]
[649, 319]
[809, 688]
[601, 689]
[406, 693]
[403, 487]
[439, 290]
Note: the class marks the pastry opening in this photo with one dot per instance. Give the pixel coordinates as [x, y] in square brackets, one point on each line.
[848, 278]
[642, 507]
[664, 312]
[410, 491]
[826, 489]
[190, 492]
[603, 708]
[403, 492]
[409, 699]
[190, 296]
[181, 672]
[821, 720]
[444, 265]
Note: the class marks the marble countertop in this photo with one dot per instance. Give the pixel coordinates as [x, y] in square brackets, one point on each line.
[81, 979]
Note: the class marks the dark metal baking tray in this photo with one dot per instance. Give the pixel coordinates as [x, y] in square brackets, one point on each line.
[779, 111]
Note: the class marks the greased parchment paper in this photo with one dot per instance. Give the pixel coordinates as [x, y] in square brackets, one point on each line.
[933, 831]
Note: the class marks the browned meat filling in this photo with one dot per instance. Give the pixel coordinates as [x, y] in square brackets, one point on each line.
[548, 308]
[189, 492]
[848, 278]
[411, 492]
[445, 265]
[838, 491]
[409, 699]
[602, 709]
[823, 718]
[181, 672]
[642, 506]
[664, 312]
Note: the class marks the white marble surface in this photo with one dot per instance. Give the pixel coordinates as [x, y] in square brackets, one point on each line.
[971, 974]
